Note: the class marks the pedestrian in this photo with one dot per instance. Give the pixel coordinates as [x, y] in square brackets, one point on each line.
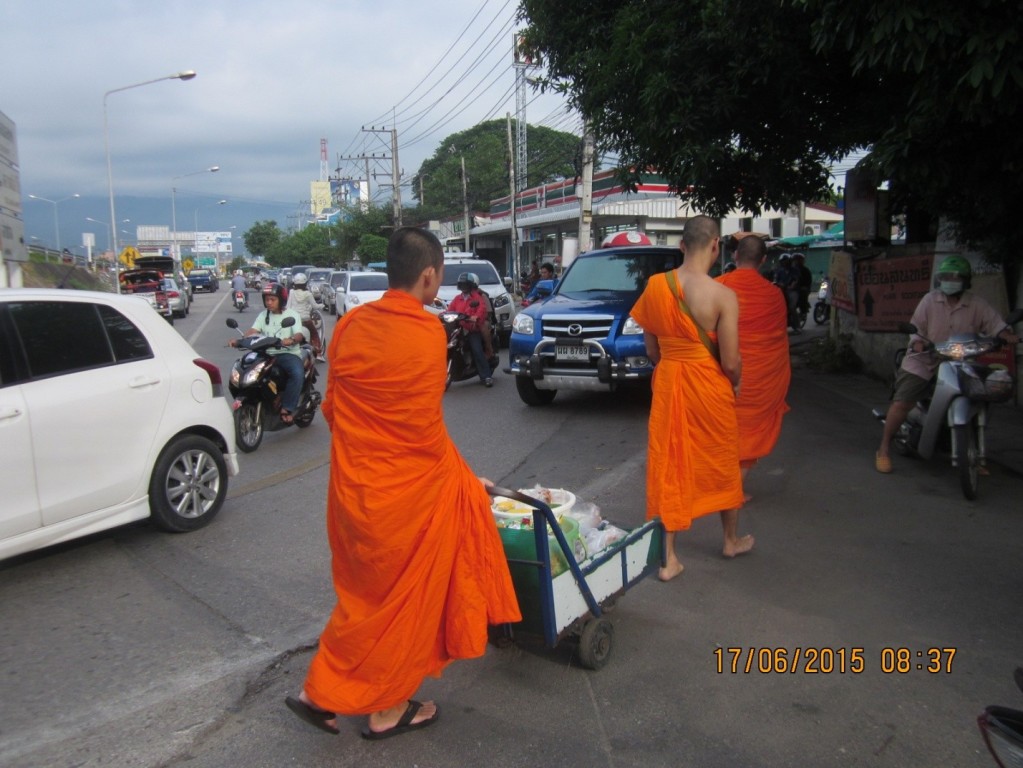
[693, 453]
[764, 348]
[416, 559]
[950, 308]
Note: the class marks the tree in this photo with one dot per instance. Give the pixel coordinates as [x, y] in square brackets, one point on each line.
[551, 155]
[746, 103]
[261, 237]
[309, 245]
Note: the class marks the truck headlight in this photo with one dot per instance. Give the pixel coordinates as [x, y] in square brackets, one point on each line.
[631, 327]
[503, 300]
[523, 324]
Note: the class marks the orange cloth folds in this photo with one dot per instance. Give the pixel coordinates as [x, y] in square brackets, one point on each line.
[766, 372]
[692, 457]
[417, 565]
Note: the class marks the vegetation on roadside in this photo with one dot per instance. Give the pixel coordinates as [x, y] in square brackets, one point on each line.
[833, 356]
[42, 275]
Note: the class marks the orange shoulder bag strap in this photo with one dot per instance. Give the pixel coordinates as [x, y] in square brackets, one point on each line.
[711, 346]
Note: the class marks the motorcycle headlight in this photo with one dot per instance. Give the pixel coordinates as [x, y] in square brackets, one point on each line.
[252, 375]
[449, 317]
[236, 376]
[523, 324]
[631, 327]
[962, 350]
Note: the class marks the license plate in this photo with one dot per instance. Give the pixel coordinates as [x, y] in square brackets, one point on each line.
[571, 353]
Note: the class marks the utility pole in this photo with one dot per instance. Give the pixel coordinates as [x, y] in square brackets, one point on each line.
[395, 173]
[586, 194]
[515, 266]
[465, 206]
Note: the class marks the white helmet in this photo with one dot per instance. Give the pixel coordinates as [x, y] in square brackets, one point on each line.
[300, 280]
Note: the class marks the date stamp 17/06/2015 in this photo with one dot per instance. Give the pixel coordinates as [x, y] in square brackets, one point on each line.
[826, 660]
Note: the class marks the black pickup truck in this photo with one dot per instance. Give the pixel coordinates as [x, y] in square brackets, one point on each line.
[203, 280]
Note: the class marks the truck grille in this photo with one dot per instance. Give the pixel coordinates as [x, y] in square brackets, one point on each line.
[577, 326]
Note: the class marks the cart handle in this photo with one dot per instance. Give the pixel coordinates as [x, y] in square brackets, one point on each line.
[559, 536]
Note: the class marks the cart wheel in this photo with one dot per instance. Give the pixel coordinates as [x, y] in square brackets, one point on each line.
[595, 643]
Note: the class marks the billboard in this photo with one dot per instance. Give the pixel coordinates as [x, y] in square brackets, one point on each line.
[213, 242]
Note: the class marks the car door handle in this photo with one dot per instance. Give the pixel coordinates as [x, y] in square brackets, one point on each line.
[143, 381]
[9, 412]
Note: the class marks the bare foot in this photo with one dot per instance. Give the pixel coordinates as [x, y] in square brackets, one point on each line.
[388, 718]
[670, 571]
[739, 546]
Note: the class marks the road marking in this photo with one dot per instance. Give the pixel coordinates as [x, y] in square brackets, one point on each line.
[202, 326]
[267, 481]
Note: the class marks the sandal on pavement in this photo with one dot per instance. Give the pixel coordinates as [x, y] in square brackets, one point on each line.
[404, 724]
[312, 715]
[883, 464]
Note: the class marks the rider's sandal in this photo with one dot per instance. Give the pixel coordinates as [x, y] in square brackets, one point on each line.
[287, 417]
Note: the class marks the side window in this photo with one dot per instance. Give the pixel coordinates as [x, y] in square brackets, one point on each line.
[60, 337]
[127, 340]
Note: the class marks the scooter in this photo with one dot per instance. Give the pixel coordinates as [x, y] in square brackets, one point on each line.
[1002, 729]
[461, 365]
[239, 301]
[963, 392]
[256, 383]
[822, 309]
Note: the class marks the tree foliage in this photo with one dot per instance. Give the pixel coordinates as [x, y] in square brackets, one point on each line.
[746, 103]
[550, 155]
[261, 237]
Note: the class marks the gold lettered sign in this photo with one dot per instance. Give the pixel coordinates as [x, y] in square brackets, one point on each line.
[888, 290]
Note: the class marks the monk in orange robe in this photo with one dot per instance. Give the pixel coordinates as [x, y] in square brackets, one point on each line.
[764, 346]
[693, 454]
[417, 562]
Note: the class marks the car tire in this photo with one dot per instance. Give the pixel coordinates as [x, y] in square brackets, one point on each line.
[189, 484]
[530, 395]
[170, 318]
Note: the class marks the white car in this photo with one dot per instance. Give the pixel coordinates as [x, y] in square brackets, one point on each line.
[504, 308]
[359, 288]
[107, 415]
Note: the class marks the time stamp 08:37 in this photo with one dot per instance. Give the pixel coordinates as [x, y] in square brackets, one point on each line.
[826, 660]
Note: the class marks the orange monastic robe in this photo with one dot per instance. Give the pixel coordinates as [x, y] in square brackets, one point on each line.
[692, 453]
[764, 346]
[417, 561]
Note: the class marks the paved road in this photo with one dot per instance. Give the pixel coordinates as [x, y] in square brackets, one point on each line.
[140, 649]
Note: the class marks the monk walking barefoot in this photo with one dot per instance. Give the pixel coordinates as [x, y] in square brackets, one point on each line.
[690, 327]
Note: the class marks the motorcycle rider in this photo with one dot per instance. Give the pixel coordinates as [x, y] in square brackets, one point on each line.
[238, 284]
[804, 283]
[950, 309]
[472, 303]
[289, 356]
[301, 300]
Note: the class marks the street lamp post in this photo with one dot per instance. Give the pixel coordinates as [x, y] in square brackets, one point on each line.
[186, 75]
[56, 219]
[175, 251]
[109, 235]
[196, 232]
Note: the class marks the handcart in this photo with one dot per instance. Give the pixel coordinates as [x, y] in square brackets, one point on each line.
[572, 603]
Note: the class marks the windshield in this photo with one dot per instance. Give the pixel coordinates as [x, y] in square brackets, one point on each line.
[337, 278]
[616, 272]
[485, 272]
[318, 274]
[371, 282]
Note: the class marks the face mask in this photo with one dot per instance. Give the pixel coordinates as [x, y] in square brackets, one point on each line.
[951, 287]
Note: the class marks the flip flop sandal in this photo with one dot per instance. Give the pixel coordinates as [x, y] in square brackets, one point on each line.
[404, 724]
[287, 417]
[312, 715]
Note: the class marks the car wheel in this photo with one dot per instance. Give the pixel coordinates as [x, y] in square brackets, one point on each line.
[189, 484]
[248, 428]
[530, 395]
[170, 318]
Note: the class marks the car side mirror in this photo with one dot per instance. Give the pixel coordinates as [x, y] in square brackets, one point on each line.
[546, 287]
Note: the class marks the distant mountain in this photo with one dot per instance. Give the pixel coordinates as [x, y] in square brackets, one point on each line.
[142, 211]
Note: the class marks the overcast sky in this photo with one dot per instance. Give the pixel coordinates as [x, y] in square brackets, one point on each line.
[273, 79]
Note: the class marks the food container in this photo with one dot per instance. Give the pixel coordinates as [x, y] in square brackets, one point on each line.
[558, 499]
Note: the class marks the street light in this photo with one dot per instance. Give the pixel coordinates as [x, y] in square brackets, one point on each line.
[175, 251]
[56, 220]
[109, 237]
[188, 74]
[196, 232]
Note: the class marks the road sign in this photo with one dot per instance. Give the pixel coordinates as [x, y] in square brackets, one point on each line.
[128, 256]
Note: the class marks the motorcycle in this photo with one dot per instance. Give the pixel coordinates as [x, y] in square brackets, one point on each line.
[963, 392]
[822, 309]
[240, 303]
[1002, 729]
[461, 365]
[256, 384]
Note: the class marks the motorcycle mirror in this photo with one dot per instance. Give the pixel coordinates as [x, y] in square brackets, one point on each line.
[231, 322]
[287, 322]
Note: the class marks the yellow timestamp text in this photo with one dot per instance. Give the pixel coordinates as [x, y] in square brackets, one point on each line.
[826, 660]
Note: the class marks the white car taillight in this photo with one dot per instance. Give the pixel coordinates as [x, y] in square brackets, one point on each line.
[216, 382]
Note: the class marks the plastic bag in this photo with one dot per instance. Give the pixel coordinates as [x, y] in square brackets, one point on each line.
[602, 537]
